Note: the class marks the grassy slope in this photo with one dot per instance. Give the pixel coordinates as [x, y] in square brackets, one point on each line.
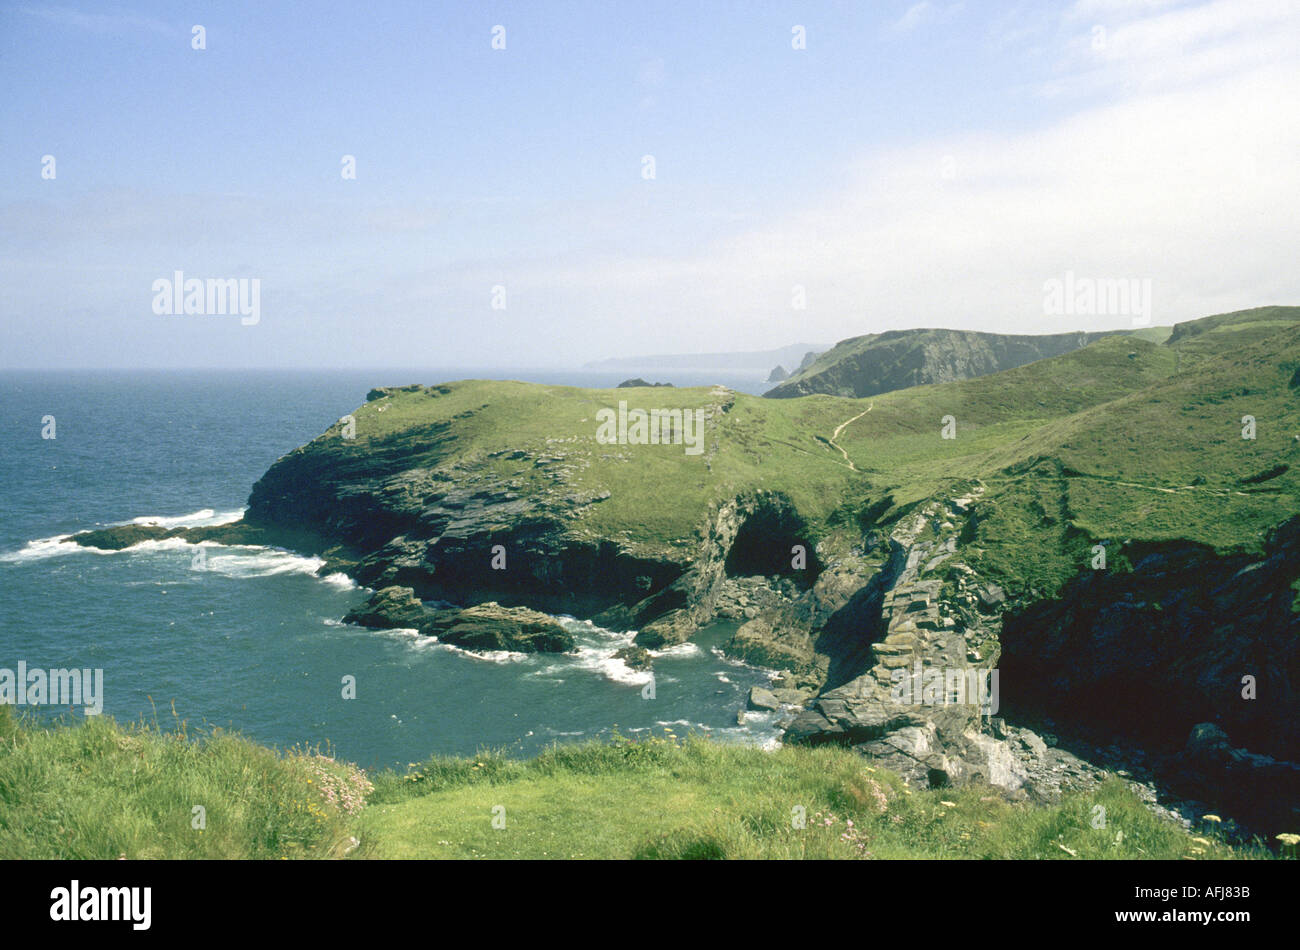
[888, 352]
[1101, 443]
[658, 492]
[103, 791]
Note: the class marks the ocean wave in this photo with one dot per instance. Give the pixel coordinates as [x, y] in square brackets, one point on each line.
[409, 635]
[424, 643]
[679, 649]
[42, 548]
[203, 518]
[263, 562]
[234, 560]
[500, 657]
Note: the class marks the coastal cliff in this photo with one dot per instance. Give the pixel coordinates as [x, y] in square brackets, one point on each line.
[953, 528]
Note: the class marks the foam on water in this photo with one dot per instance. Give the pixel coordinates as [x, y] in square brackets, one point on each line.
[339, 580]
[680, 649]
[262, 562]
[592, 661]
[203, 518]
[42, 548]
[237, 561]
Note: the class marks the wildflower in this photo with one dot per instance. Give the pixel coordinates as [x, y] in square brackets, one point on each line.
[1214, 818]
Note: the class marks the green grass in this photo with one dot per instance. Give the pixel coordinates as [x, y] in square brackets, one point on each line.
[100, 790]
[1124, 439]
[103, 791]
[667, 797]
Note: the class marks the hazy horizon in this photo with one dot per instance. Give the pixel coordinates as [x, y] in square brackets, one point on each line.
[547, 187]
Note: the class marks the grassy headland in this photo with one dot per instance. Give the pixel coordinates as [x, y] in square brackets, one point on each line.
[100, 790]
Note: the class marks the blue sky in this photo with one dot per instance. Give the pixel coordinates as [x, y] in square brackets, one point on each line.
[917, 164]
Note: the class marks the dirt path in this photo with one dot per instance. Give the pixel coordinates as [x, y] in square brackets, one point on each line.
[840, 428]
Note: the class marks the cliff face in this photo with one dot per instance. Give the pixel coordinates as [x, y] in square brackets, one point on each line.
[1186, 636]
[858, 546]
[440, 531]
[869, 365]
[1189, 661]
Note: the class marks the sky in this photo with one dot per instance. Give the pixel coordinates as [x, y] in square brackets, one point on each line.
[541, 184]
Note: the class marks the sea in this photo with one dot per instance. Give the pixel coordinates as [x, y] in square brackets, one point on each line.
[254, 642]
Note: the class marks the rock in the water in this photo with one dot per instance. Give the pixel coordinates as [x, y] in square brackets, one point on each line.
[482, 627]
[123, 536]
[791, 697]
[760, 698]
[393, 608]
[637, 658]
[493, 627]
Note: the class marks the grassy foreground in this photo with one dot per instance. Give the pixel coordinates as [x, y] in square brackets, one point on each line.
[100, 790]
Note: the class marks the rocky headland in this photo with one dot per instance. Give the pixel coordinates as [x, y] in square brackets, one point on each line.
[950, 530]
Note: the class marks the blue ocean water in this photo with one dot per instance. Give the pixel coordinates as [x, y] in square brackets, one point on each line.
[254, 641]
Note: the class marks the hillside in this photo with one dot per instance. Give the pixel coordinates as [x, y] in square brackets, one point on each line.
[100, 791]
[955, 525]
[882, 362]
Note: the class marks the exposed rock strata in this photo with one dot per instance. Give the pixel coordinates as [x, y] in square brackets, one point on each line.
[482, 627]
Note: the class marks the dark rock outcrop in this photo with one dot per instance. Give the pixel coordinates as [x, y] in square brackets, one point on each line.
[636, 658]
[1188, 636]
[1140, 657]
[486, 626]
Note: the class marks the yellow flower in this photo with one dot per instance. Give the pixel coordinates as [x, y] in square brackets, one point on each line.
[1214, 818]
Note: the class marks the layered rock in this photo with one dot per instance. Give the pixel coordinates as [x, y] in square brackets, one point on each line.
[483, 627]
[936, 617]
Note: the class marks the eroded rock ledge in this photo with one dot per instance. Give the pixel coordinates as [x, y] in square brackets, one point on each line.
[1145, 657]
[486, 626]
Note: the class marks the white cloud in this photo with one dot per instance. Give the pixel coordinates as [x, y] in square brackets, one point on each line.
[1173, 157]
[1183, 174]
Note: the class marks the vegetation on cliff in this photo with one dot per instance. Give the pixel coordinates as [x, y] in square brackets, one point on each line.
[1124, 439]
[103, 791]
